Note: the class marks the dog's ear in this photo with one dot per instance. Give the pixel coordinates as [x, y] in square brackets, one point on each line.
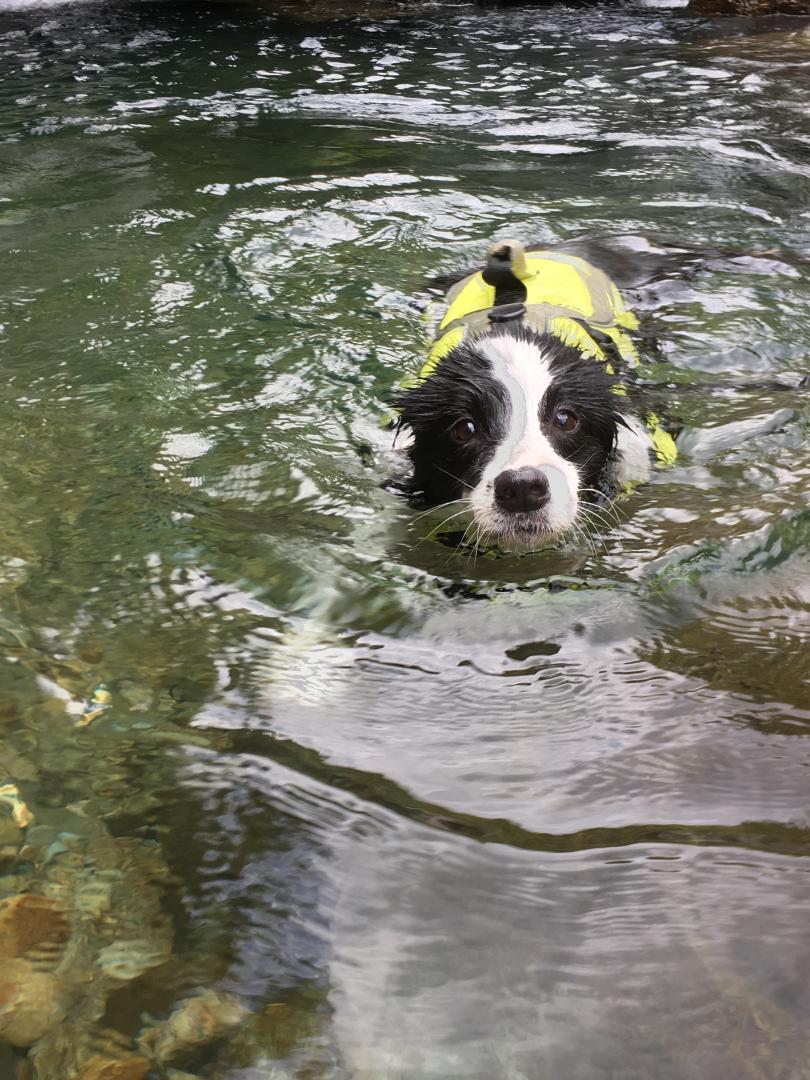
[397, 402]
[415, 402]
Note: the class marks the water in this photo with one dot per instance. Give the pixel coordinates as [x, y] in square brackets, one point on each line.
[422, 815]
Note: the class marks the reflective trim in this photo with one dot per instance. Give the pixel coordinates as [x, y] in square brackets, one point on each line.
[572, 333]
[441, 348]
[664, 445]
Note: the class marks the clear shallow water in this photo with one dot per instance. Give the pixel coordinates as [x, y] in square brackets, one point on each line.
[423, 815]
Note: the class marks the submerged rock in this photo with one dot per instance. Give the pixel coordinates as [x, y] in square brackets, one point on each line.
[31, 1002]
[33, 934]
[86, 918]
[127, 960]
[103, 1068]
[21, 815]
[32, 927]
[200, 1020]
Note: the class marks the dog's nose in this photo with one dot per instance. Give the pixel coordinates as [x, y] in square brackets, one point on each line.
[518, 491]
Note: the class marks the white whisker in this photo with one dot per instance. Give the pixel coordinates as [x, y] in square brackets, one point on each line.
[457, 479]
[434, 509]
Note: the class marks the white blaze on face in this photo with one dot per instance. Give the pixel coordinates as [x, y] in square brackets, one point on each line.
[524, 371]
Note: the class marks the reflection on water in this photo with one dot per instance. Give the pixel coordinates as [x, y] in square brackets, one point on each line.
[361, 804]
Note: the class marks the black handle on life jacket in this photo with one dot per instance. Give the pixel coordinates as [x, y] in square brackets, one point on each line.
[507, 313]
[499, 273]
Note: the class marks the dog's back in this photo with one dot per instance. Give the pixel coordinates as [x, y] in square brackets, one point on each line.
[548, 290]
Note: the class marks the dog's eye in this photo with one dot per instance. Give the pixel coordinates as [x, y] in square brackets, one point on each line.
[566, 420]
[463, 431]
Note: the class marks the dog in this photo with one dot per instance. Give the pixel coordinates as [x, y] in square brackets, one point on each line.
[521, 412]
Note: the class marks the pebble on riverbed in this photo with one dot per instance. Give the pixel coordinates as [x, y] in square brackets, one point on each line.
[33, 933]
[20, 814]
[203, 1019]
[104, 1068]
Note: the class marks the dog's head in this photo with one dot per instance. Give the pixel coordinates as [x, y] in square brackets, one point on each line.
[517, 424]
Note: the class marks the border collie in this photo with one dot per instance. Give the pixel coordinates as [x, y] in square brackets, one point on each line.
[519, 414]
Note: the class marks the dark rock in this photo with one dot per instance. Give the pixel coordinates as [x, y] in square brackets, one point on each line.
[749, 7]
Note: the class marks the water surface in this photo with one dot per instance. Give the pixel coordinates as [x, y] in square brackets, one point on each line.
[424, 815]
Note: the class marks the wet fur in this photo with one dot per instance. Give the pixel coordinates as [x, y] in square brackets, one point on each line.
[464, 385]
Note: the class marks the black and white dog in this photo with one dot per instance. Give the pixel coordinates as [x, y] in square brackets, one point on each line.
[519, 412]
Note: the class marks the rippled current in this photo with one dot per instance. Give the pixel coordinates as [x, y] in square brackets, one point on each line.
[306, 789]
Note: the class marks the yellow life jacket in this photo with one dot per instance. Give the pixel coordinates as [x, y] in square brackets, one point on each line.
[566, 297]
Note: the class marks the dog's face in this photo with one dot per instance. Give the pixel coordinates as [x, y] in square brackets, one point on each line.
[518, 425]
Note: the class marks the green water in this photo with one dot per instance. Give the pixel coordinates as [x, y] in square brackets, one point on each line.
[422, 815]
